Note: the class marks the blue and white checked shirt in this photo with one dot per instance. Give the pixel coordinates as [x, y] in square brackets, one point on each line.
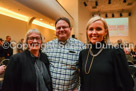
[64, 63]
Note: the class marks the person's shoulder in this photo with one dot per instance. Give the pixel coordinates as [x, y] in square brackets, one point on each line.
[84, 51]
[18, 56]
[50, 44]
[44, 58]
[75, 41]
[52, 41]
[115, 50]
[77, 44]
[5, 43]
[43, 54]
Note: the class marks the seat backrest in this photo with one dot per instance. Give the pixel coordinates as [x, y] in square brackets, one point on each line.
[132, 70]
[4, 62]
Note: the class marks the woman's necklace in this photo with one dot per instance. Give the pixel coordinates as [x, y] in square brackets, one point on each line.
[93, 56]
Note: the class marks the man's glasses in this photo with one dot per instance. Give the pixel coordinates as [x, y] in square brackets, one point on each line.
[32, 38]
[63, 27]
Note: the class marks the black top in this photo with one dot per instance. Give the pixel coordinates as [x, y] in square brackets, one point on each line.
[2, 52]
[8, 49]
[133, 53]
[109, 71]
[20, 74]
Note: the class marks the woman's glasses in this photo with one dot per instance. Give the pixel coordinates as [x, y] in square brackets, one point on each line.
[33, 38]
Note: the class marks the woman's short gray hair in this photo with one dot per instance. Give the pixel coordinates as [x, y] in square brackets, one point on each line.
[28, 33]
[97, 18]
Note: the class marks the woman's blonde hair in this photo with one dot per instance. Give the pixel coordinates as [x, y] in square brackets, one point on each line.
[98, 18]
[28, 33]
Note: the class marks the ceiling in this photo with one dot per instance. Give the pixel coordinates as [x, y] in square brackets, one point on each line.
[50, 10]
[46, 10]
[109, 6]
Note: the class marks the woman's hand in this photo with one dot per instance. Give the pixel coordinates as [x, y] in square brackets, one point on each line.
[2, 69]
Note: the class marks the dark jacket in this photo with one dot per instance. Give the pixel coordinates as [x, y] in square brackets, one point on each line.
[20, 74]
[2, 52]
[8, 50]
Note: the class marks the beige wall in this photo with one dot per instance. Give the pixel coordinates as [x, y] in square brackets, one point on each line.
[83, 17]
[12, 27]
[71, 6]
[17, 29]
[132, 26]
[47, 33]
[80, 16]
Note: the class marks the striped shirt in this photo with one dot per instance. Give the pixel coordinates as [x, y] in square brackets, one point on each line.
[64, 63]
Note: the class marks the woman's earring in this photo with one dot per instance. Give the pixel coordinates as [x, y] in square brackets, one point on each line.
[104, 38]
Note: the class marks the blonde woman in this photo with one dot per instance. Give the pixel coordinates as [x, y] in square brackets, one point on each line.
[102, 67]
[29, 70]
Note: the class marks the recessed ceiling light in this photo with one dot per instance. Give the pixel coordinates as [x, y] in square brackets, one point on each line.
[112, 14]
[106, 15]
[129, 14]
[18, 16]
[124, 1]
[109, 2]
[41, 19]
[120, 14]
[85, 4]
[96, 3]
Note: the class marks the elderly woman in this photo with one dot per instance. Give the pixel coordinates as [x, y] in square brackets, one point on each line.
[102, 67]
[29, 70]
